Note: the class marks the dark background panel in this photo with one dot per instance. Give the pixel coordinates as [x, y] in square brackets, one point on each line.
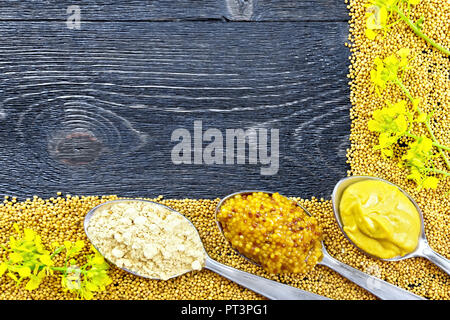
[160, 10]
[92, 111]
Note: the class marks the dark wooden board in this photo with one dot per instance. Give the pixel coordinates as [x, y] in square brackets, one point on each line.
[172, 10]
[92, 111]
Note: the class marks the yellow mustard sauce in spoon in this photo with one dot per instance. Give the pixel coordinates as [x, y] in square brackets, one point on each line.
[380, 219]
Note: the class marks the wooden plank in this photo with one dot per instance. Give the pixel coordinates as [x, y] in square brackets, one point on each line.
[162, 10]
[92, 111]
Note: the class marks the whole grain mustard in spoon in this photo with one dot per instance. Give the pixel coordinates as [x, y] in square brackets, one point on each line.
[266, 228]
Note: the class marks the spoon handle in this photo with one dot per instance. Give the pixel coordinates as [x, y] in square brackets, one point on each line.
[378, 287]
[436, 258]
[268, 288]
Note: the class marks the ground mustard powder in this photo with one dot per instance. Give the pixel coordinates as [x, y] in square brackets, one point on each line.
[146, 238]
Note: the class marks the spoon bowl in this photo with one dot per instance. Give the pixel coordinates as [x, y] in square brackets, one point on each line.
[247, 192]
[91, 213]
[422, 250]
[378, 287]
[268, 288]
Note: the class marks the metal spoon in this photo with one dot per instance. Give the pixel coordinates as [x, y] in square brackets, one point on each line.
[265, 287]
[377, 287]
[422, 250]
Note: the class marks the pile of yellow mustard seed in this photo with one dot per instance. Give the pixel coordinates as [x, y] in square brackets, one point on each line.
[429, 79]
[61, 218]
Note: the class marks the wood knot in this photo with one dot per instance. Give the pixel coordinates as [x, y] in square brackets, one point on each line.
[240, 9]
[76, 148]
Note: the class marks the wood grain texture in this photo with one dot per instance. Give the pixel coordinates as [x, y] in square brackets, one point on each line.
[92, 111]
[162, 10]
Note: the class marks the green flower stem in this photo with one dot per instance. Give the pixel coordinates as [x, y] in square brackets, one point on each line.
[417, 31]
[64, 270]
[58, 250]
[406, 91]
[427, 124]
[437, 145]
[447, 162]
[445, 173]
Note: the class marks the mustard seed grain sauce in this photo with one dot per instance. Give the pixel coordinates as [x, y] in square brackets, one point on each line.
[273, 231]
